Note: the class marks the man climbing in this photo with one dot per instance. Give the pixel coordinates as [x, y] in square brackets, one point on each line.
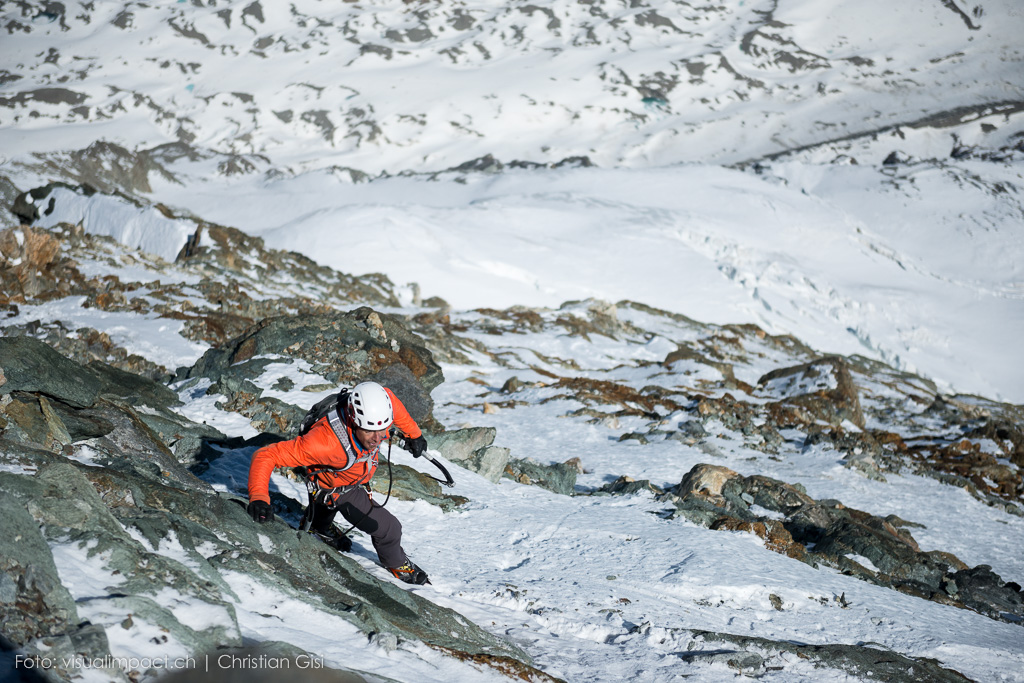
[340, 452]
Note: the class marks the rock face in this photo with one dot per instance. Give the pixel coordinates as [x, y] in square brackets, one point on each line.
[558, 478]
[240, 281]
[866, 661]
[405, 483]
[823, 388]
[341, 348]
[84, 476]
[52, 402]
[874, 549]
[33, 267]
[472, 448]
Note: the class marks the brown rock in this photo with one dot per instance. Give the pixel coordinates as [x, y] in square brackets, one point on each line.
[823, 387]
[705, 481]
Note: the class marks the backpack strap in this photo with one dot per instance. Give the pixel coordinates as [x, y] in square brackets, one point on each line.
[337, 423]
[338, 427]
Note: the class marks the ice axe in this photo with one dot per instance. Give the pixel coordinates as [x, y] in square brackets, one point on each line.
[448, 481]
[431, 455]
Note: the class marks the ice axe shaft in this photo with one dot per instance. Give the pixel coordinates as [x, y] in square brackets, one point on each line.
[449, 482]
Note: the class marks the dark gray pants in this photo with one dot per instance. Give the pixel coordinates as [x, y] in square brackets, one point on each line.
[383, 527]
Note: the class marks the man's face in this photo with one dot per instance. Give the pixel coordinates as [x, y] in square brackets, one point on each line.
[370, 439]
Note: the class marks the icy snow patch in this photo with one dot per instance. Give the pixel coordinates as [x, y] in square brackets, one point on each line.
[146, 229]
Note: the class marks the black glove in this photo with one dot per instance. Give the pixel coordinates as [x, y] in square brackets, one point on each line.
[261, 512]
[417, 446]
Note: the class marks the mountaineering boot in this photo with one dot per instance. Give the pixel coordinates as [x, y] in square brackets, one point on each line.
[334, 538]
[410, 573]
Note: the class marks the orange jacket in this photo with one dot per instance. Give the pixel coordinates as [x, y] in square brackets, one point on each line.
[319, 446]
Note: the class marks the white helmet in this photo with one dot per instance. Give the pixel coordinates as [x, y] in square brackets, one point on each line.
[370, 406]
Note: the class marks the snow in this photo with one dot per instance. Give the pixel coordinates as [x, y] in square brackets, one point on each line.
[863, 561]
[14, 468]
[83, 572]
[145, 229]
[199, 405]
[85, 454]
[306, 387]
[845, 275]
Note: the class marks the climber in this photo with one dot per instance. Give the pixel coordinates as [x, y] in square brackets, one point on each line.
[340, 452]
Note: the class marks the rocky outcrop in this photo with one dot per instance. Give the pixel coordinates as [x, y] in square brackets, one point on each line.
[826, 532]
[228, 268]
[473, 449]
[340, 348]
[753, 657]
[558, 478]
[33, 267]
[822, 389]
[51, 402]
[824, 403]
[8, 193]
[405, 483]
[87, 486]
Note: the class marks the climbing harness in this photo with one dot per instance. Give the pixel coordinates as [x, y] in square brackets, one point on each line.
[329, 496]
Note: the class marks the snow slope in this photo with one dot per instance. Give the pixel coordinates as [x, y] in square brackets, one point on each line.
[834, 255]
[606, 588]
[271, 112]
[386, 85]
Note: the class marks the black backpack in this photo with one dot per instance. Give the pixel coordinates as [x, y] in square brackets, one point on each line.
[333, 402]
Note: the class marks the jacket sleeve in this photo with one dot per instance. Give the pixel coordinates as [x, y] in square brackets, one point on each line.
[403, 420]
[318, 446]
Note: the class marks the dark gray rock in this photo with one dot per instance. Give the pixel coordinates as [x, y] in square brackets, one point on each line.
[53, 402]
[344, 348]
[983, 590]
[627, 486]
[748, 663]
[8, 194]
[406, 483]
[559, 478]
[472, 448]
[870, 662]
[458, 445]
[133, 389]
[30, 365]
[719, 498]
[511, 385]
[80, 425]
[33, 602]
[693, 428]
